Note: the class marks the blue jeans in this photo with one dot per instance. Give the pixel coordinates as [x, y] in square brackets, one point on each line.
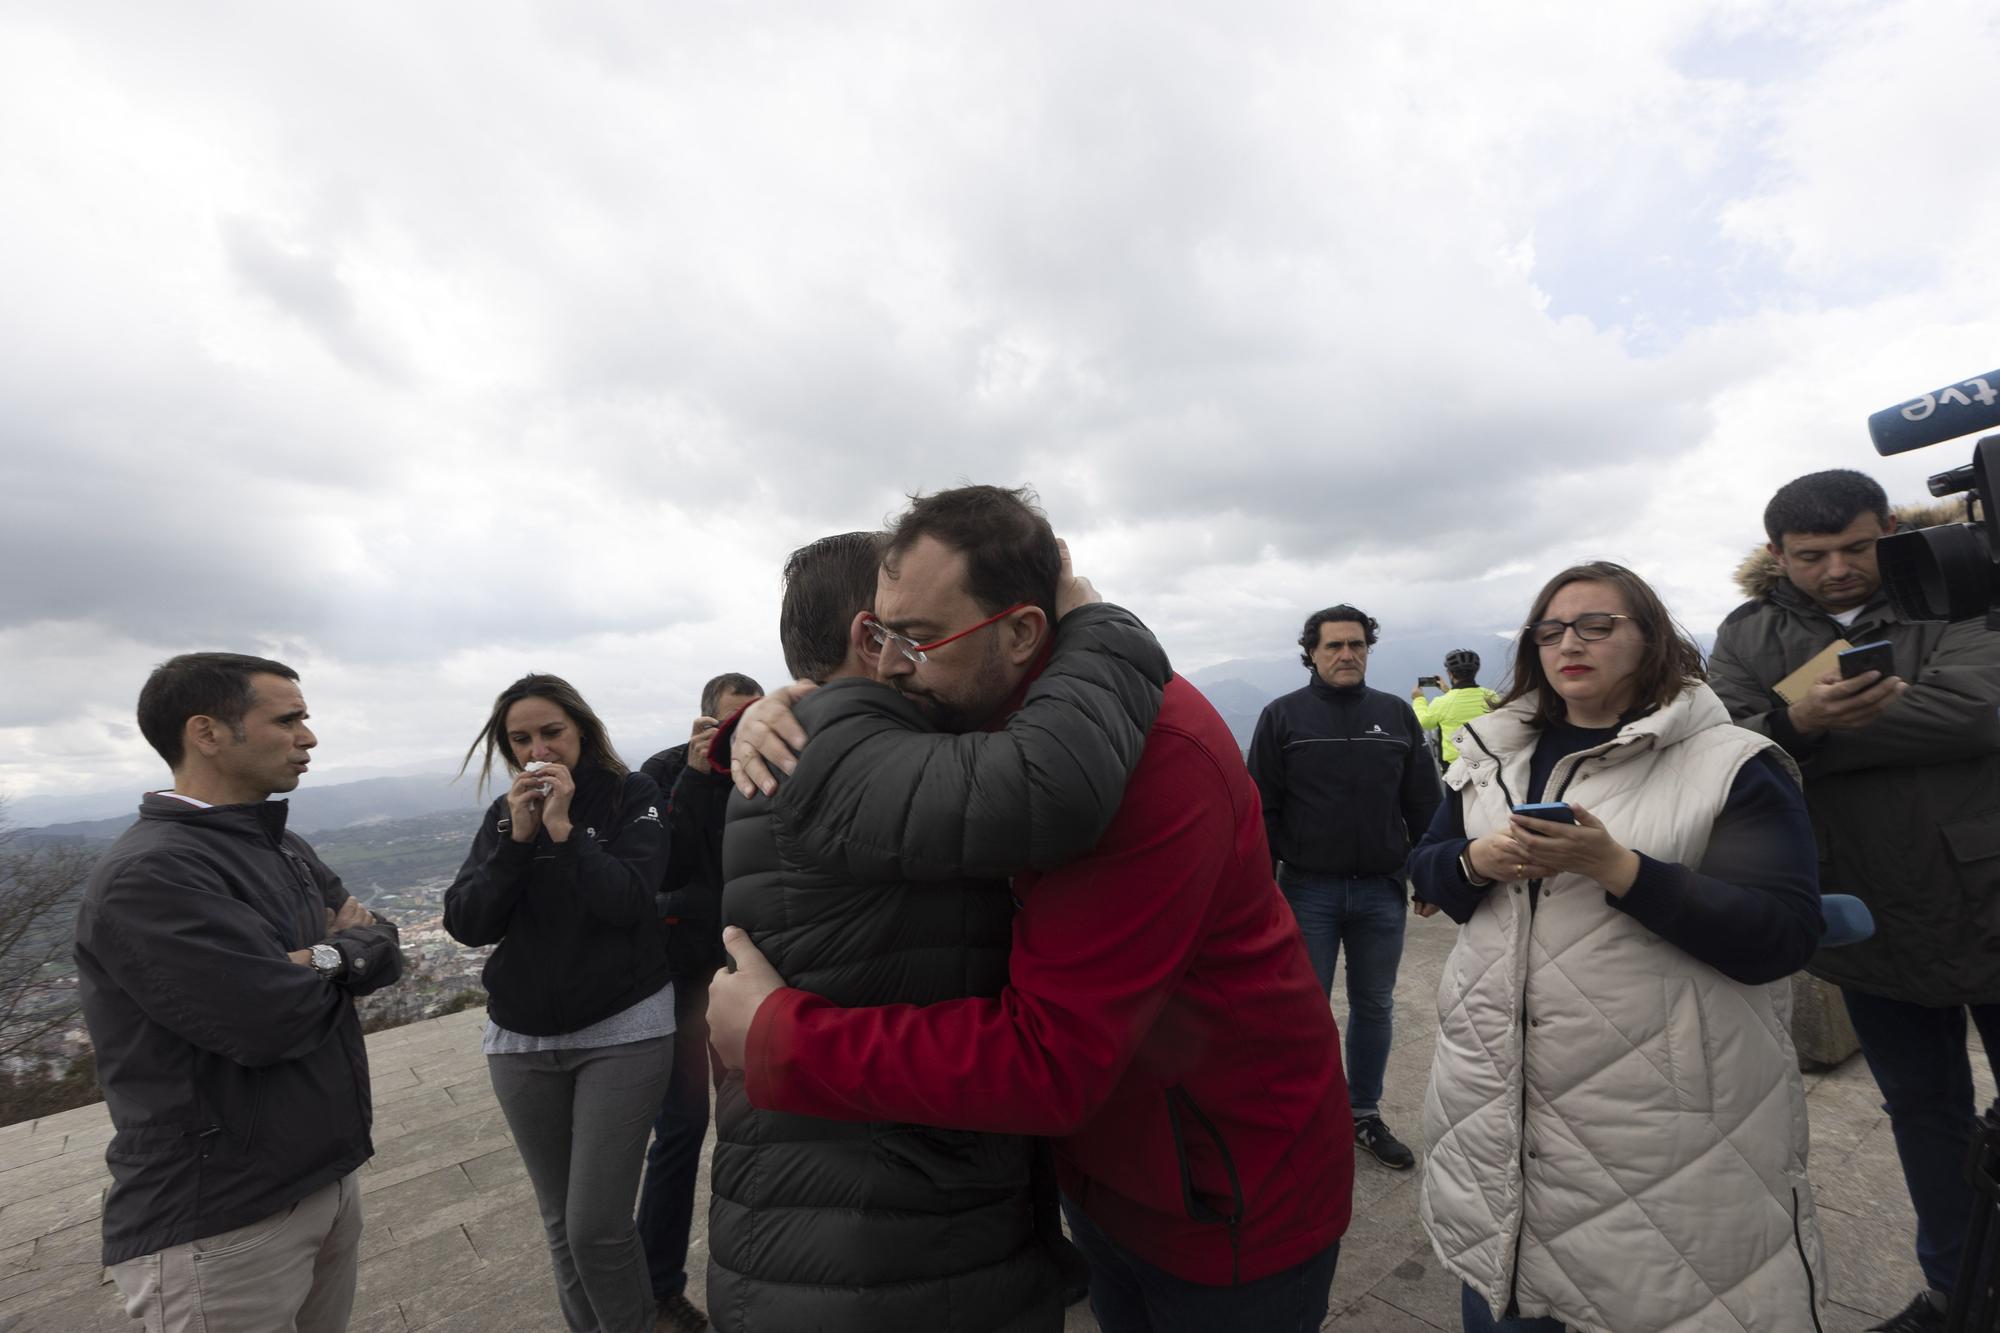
[1918, 1057]
[666, 1193]
[1477, 1317]
[1367, 916]
[1129, 1295]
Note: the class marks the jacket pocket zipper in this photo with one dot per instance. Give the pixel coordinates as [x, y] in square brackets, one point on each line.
[1177, 1097]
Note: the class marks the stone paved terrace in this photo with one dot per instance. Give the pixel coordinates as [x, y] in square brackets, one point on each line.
[452, 1244]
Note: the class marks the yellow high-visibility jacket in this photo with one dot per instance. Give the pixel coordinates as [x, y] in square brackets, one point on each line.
[1452, 710]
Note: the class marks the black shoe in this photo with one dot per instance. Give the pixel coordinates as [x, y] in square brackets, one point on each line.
[1922, 1315]
[678, 1314]
[1372, 1134]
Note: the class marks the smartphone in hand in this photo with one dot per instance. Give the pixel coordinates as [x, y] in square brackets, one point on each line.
[1878, 656]
[1554, 811]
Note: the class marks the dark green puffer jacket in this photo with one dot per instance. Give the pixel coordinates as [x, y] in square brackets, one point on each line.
[830, 1226]
[1906, 810]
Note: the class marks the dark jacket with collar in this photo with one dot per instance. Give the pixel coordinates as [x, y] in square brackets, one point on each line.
[690, 896]
[1906, 810]
[850, 882]
[236, 1079]
[1347, 784]
[577, 927]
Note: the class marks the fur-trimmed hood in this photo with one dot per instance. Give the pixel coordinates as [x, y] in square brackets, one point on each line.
[1759, 573]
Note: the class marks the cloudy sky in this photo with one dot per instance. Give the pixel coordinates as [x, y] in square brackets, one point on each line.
[422, 345]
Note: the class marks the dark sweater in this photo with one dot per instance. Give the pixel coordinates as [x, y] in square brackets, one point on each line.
[1751, 911]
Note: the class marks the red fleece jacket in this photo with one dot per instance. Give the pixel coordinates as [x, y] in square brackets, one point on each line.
[1162, 1025]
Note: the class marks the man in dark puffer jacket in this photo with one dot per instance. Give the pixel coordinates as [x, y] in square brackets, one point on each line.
[1161, 1020]
[829, 1225]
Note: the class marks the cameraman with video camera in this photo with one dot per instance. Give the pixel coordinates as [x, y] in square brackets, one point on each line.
[1902, 774]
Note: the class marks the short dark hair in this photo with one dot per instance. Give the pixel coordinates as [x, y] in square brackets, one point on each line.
[1670, 664]
[1822, 502]
[826, 583]
[1011, 557]
[729, 682]
[213, 685]
[1309, 636]
[596, 741]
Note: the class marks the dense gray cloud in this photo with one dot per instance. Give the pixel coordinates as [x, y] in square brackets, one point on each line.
[430, 344]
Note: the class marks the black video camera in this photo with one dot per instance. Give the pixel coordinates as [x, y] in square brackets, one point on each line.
[1952, 571]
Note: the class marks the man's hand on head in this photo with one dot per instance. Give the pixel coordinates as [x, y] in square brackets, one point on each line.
[1073, 590]
[1838, 704]
[768, 736]
[735, 996]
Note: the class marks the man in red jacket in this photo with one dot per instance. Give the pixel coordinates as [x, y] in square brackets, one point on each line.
[1162, 1023]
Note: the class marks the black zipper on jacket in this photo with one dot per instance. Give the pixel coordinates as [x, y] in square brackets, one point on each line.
[1799, 1243]
[1508, 1309]
[1196, 1209]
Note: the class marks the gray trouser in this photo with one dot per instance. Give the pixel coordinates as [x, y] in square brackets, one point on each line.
[293, 1269]
[580, 1120]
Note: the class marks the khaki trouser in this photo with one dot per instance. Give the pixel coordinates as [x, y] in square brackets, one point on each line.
[291, 1270]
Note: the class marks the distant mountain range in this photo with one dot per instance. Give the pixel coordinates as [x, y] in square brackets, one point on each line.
[315, 805]
[1239, 688]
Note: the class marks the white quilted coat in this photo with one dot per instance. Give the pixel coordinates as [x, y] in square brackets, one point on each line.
[1617, 1131]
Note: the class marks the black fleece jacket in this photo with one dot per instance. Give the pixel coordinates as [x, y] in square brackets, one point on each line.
[579, 931]
[1346, 782]
[236, 1079]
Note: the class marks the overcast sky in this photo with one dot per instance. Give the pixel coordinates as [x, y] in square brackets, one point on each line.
[423, 345]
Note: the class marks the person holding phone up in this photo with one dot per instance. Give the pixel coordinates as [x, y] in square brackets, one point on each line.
[1616, 1121]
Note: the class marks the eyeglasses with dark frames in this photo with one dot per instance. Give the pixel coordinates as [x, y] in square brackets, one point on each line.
[1590, 628]
[886, 638]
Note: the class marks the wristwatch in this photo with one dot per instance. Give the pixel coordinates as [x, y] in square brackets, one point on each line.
[328, 961]
[1465, 869]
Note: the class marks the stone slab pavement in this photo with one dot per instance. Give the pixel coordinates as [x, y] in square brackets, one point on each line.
[452, 1244]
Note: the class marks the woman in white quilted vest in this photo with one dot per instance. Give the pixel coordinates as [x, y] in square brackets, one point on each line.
[1616, 1122]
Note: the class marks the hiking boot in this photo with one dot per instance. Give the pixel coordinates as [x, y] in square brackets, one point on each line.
[678, 1314]
[1924, 1314]
[1372, 1134]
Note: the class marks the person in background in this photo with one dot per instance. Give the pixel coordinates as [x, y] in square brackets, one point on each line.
[1902, 776]
[1453, 707]
[1616, 1121]
[691, 906]
[580, 1006]
[1347, 786]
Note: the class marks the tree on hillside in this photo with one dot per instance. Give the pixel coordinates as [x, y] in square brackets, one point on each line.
[39, 886]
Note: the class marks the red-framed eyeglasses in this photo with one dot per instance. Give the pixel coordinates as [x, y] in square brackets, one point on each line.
[886, 638]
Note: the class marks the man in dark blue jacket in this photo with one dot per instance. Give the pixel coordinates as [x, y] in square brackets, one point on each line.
[691, 903]
[218, 960]
[1348, 788]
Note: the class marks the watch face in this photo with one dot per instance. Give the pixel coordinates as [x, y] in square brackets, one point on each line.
[325, 958]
